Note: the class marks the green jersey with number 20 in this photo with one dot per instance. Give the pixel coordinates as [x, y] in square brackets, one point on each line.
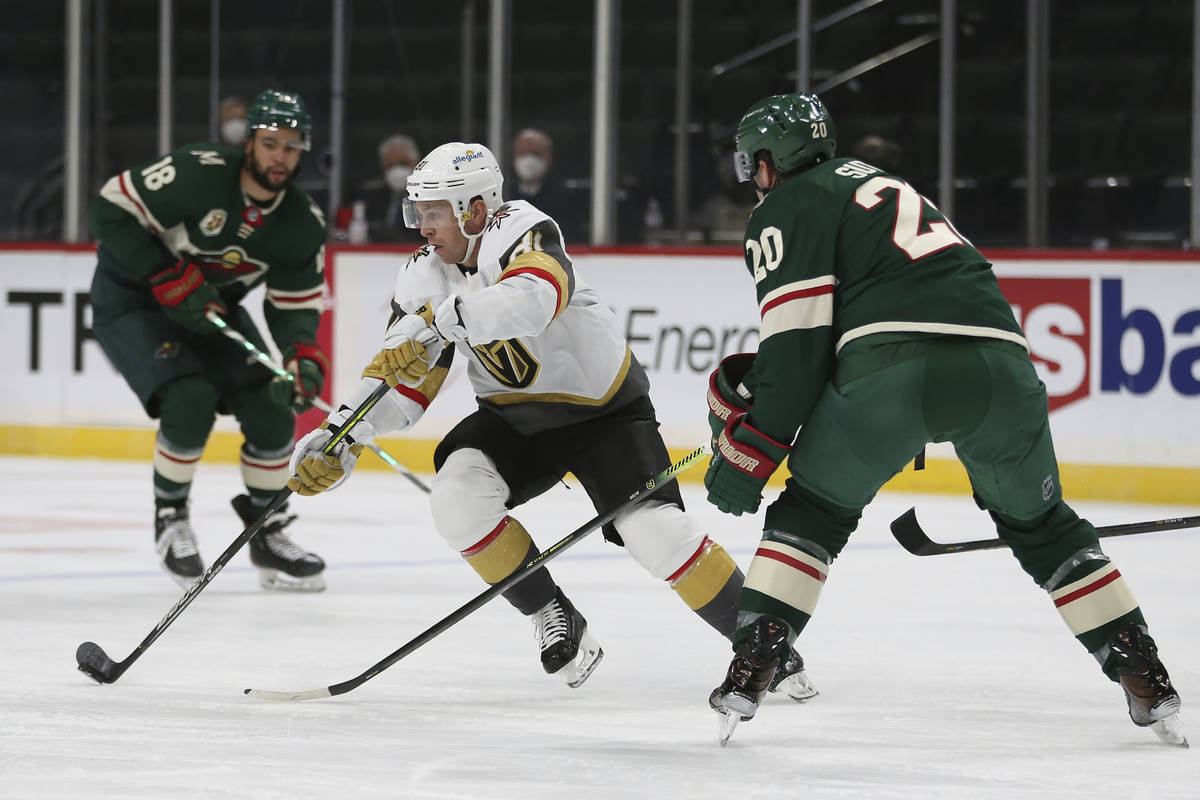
[844, 251]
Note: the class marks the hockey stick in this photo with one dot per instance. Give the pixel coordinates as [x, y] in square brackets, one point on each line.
[649, 487]
[270, 364]
[912, 538]
[92, 659]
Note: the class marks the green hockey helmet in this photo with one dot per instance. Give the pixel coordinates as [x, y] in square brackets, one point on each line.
[275, 110]
[796, 129]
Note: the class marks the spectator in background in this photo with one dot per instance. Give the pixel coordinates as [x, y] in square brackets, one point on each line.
[231, 120]
[398, 155]
[532, 156]
[878, 152]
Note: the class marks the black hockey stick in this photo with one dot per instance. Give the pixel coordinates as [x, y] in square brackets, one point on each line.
[92, 659]
[651, 485]
[270, 364]
[912, 538]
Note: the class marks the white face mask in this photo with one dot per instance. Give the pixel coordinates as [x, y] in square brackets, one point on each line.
[529, 167]
[397, 177]
[233, 131]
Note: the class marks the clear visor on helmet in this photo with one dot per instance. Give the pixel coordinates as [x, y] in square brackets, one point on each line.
[420, 214]
[743, 165]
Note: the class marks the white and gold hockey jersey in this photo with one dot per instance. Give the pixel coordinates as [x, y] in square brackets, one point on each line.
[543, 350]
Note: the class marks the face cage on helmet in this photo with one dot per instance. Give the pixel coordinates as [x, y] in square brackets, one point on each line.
[744, 165]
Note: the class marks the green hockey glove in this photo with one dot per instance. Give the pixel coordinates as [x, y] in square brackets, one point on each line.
[743, 460]
[185, 296]
[307, 366]
[724, 397]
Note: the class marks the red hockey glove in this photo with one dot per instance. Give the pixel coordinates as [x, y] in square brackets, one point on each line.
[185, 296]
[743, 459]
[724, 399]
[307, 365]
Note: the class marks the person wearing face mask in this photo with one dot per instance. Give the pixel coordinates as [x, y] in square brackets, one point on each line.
[533, 153]
[383, 194]
[231, 120]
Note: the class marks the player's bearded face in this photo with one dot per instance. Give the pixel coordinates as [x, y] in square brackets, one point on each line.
[272, 158]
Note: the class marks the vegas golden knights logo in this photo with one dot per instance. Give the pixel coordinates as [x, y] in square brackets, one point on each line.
[509, 361]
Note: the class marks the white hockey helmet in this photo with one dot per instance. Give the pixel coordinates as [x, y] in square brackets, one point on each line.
[456, 172]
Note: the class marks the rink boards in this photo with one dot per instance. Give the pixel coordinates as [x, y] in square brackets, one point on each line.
[1115, 338]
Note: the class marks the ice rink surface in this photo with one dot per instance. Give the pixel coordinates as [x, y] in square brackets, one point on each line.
[940, 677]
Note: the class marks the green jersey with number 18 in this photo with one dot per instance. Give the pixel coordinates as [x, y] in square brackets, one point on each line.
[190, 204]
[844, 251]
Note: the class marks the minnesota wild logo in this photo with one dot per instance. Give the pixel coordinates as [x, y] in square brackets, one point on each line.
[232, 263]
[167, 350]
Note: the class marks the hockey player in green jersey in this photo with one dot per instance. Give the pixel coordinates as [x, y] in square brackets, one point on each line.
[884, 329]
[190, 233]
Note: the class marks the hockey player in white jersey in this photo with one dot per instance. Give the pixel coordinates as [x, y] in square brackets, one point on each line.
[558, 390]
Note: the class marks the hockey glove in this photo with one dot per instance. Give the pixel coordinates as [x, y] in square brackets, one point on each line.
[410, 350]
[307, 365]
[726, 396]
[743, 460]
[314, 472]
[185, 296]
[448, 320]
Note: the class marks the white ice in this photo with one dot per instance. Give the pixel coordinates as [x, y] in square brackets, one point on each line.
[941, 677]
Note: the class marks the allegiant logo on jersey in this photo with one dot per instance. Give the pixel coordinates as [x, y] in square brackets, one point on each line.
[1135, 349]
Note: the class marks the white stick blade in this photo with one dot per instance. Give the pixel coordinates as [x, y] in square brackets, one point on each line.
[282, 697]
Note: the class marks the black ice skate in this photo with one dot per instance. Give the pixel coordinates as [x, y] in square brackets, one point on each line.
[568, 650]
[176, 545]
[792, 680]
[750, 673]
[1153, 701]
[282, 564]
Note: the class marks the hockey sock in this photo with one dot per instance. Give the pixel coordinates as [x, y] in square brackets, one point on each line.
[1092, 597]
[264, 472]
[187, 409]
[710, 583]
[784, 581]
[507, 548]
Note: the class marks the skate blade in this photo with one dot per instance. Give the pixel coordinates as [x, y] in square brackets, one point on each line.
[274, 580]
[798, 687]
[725, 725]
[585, 662]
[1170, 731]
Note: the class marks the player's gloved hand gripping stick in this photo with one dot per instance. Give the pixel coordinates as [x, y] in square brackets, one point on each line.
[283, 374]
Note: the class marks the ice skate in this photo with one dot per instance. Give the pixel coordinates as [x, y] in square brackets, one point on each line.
[568, 651]
[792, 680]
[176, 545]
[750, 673]
[1153, 701]
[282, 564]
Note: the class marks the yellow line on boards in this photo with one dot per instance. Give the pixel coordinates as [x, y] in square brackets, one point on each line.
[1118, 483]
